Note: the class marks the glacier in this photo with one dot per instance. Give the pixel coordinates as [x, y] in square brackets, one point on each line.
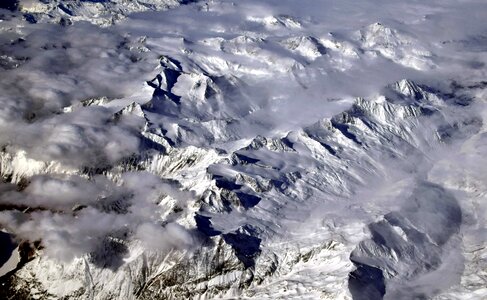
[164, 149]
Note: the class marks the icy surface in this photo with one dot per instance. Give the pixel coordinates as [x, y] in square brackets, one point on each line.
[274, 149]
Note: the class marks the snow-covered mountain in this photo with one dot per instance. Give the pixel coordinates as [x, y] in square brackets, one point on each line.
[100, 12]
[243, 150]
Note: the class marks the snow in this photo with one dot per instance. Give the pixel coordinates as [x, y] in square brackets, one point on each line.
[251, 149]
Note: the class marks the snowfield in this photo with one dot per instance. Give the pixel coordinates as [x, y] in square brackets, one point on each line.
[275, 149]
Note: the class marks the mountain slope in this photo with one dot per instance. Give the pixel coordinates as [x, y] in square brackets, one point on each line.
[263, 150]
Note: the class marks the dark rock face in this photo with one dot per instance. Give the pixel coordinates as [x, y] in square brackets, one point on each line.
[427, 221]
[7, 247]
[366, 283]
[9, 4]
[204, 225]
[246, 246]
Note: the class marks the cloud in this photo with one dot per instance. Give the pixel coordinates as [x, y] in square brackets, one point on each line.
[156, 237]
[61, 67]
[58, 192]
[55, 67]
[73, 216]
